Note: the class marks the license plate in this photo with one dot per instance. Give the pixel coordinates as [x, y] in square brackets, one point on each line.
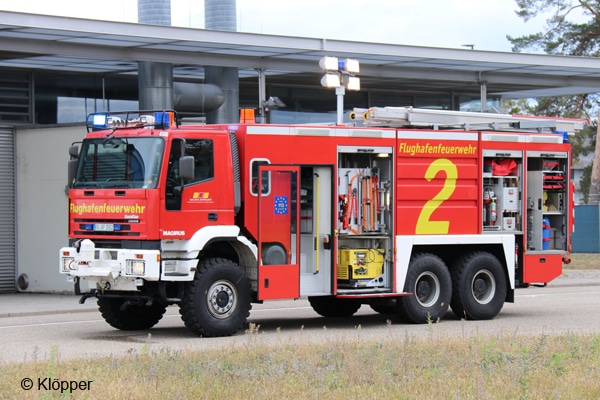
[104, 227]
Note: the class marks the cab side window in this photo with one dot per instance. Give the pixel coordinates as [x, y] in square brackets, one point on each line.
[202, 151]
[254, 181]
[173, 199]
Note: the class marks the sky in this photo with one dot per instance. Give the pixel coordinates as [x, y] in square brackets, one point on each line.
[483, 24]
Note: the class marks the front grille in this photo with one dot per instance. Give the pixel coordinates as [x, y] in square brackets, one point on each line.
[94, 227]
[119, 233]
[123, 244]
[99, 220]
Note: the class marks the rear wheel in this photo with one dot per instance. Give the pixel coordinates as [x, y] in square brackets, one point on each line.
[217, 301]
[478, 286]
[428, 279]
[122, 314]
[387, 306]
[334, 307]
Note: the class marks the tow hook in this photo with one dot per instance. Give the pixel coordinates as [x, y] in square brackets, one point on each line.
[86, 296]
[101, 288]
[566, 260]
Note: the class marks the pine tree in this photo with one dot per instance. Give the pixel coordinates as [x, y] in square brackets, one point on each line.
[572, 28]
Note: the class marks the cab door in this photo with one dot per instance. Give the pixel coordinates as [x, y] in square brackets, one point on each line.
[278, 238]
[204, 200]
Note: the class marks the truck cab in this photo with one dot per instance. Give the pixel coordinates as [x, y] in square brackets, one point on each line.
[145, 195]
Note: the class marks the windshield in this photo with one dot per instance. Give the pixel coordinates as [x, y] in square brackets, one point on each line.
[119, 163]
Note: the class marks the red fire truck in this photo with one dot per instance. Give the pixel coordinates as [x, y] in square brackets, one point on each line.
[412, 212]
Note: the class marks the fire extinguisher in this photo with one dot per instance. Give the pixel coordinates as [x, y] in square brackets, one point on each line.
[488, 193]
[493, 211]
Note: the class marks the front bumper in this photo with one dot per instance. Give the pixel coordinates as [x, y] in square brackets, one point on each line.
[116, 269]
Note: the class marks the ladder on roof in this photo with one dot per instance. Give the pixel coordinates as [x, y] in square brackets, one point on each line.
[437, 119]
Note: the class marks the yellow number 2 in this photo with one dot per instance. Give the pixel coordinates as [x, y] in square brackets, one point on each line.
[424, 225]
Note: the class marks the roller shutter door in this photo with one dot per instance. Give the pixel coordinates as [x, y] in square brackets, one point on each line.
[7, 211]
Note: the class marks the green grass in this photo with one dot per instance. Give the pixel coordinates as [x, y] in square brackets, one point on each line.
[584, 261]
[430, 366]
[504, 366]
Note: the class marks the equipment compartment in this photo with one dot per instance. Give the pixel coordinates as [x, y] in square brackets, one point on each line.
[547, 202]
[364, 218]
[502, 177]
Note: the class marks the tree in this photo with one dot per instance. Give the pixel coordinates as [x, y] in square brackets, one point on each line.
[517, 107]
[572, 28]
[564, 34]
[583, 142]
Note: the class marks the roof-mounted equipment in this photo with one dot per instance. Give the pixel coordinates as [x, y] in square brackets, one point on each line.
[161, 119]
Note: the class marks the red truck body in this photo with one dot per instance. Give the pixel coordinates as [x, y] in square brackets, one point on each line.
[407, 220]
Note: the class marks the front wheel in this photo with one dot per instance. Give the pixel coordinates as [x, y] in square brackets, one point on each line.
[217, 301]
[478, 286]
[428, 279]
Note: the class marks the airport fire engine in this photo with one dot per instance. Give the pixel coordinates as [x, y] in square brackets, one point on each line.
[408, 211]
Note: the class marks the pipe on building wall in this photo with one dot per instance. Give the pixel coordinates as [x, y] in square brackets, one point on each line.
[228, 80]
[262, 96]
[155, 85]
[221, 15]
[196, 97]
[154, 12]
[155, 80]
[218, 98]
[483, 91]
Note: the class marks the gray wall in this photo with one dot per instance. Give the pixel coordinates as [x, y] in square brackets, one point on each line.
[42, 204]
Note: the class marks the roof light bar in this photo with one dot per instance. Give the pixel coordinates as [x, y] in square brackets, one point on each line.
[131, 119]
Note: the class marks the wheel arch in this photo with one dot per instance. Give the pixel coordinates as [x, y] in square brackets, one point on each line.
[237, 249]
[222, 241]
[450, 247]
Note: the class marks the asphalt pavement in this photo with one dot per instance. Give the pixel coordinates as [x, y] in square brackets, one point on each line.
[26, 303]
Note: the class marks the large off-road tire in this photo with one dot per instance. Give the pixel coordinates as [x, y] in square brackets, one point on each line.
[386, 306]
[333, 307]
[132, 317]
[218, 301]
[429, 281]
[478, 286]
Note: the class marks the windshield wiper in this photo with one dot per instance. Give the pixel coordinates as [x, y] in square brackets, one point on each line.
[86, 184]
[120, 185]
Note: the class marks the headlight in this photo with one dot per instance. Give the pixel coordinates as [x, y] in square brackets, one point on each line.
[170, 266]
[67, 264]
[135, 267]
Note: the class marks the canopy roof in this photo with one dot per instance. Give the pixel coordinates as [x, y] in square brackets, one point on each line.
[40, 42]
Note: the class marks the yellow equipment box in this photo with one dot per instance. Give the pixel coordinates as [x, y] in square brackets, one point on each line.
[359, 264]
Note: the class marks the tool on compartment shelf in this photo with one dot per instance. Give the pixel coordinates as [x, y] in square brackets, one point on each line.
[363, 201]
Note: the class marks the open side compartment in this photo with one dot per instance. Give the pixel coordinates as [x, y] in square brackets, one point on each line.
[364, 219]
[547, 201]
[502, 188]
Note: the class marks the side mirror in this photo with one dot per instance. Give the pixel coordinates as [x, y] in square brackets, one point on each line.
[72, 168]
[186, 168]
[74, 151]
[72, 165]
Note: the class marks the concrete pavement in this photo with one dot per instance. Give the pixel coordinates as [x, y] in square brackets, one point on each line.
[22, 304]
